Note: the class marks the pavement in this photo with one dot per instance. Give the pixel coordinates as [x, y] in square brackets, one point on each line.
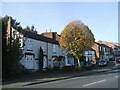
[53, 76]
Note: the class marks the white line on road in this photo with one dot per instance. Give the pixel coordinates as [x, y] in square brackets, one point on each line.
[117, 76]
[94, 82]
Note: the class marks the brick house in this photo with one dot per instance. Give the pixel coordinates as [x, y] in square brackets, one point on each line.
[102, 51]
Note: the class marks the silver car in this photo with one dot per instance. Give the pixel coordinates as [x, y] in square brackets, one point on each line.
[102, 63]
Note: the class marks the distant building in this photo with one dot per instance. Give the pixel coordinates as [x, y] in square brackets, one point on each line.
[109, 44]
[103, 51]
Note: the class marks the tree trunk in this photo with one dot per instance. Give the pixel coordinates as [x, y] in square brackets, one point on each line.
[78, 61]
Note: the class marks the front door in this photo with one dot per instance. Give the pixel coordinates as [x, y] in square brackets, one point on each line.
[29, 62]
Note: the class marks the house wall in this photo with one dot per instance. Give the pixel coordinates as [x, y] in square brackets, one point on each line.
[57, 53]
[49, 54]
[90, 56]
[102, 51]
[107, 54]
[33, 46]
[49, 50]
[97, 50]
[70, 61]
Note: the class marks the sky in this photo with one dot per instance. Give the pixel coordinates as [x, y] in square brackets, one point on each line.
[100, 17]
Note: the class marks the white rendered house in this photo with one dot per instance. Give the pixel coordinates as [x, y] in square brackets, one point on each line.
[32, 44]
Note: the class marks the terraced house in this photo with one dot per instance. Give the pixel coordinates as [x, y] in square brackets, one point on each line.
[43, 51]
[102, 51]
[39, 52]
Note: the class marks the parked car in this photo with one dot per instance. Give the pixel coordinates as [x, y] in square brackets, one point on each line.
[117, 58]
[102, 63]
[117, 61]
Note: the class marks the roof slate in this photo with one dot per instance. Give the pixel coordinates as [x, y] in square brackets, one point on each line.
[38, 37]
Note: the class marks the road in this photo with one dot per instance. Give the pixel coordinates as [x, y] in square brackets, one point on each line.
[100, 80]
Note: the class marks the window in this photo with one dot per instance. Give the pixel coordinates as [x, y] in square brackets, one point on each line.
[100, 48]
[68, 61]
[104, 49]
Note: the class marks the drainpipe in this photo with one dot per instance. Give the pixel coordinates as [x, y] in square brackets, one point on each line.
[47, 55]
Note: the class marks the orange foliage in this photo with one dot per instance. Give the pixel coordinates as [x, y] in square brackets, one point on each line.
[76, 38]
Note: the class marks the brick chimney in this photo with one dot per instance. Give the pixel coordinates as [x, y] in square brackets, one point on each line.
[52, 35]
[9, 31]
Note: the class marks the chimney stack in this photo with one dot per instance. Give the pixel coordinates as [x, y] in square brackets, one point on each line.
[9, 31]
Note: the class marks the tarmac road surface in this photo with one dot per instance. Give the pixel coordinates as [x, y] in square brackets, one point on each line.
[100, 80]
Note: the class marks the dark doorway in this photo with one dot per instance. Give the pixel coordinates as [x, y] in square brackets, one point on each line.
[41, 59]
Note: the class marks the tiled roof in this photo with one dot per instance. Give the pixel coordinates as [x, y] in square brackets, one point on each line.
[102, 45]
[38, 37]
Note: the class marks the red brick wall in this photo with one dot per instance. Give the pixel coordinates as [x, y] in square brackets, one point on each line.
[49, 35]
[8, 31]
[96, 48]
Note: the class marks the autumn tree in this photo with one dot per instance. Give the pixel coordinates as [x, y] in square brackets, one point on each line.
[76, 38]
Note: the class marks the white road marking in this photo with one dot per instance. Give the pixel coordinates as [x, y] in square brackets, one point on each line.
[117, 76]
[94, 82]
